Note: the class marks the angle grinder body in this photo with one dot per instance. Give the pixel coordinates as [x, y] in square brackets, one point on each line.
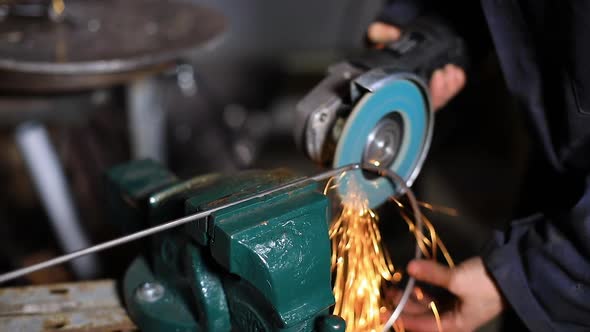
[376, 108]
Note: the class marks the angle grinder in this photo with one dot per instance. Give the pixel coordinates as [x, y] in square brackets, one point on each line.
[376, 108]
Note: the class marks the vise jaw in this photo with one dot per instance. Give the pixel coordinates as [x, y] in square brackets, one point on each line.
[262, 265]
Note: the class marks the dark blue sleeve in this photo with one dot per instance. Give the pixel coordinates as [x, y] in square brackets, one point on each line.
[542, 266]
[401, 12]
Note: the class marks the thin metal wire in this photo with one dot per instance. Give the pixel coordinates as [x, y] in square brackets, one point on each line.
[396, 179]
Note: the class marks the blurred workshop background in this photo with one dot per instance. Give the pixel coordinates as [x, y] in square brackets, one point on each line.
[229, 106]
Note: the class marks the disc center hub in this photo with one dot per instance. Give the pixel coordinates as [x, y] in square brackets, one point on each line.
[383, 143]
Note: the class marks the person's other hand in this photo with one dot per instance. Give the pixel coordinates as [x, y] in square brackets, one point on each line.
[445, 83]
[479, 299]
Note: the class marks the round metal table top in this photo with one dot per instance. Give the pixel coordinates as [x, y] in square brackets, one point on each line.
[104, 38]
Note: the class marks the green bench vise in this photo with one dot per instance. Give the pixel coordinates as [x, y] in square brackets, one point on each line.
[261, 265]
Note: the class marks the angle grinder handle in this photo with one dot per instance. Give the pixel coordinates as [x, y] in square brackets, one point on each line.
[424, 46]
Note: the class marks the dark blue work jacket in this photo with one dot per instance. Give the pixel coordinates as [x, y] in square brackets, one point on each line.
[542, 262]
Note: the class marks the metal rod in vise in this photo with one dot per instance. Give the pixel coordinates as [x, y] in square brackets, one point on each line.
[403, 188]
[165, 226]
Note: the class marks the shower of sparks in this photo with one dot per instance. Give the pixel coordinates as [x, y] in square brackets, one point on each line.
[359, 264]
[362, 268]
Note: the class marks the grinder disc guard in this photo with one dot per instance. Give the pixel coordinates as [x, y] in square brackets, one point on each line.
[390, 126]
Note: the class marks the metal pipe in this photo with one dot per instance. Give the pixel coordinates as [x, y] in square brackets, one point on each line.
[147, 120]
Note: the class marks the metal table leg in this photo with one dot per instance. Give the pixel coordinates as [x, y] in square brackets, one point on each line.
[147, 120]
[50, 182]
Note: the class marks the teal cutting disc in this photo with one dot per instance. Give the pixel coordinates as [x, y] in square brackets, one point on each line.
[388, 127]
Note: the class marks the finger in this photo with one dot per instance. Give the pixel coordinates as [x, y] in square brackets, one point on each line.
[394, 294]
[386, 314]
[455, 78]
[449, 88]
[382, 33]
[427, 322]
[437, 88]
[419, 323]
[459, 77]
[430, 272]
[421, 296]
[445, 83]
[413, 306]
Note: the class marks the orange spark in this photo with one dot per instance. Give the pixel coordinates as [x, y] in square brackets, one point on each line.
[436, 316]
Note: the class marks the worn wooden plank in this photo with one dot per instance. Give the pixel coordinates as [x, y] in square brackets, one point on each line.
[83, 306]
